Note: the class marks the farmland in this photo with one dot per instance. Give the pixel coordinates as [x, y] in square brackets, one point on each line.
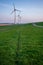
[30, 44]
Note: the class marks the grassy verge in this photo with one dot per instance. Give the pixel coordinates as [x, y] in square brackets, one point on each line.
[40, 23]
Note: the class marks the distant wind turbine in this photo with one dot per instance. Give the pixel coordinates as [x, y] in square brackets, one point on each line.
[14, 11]
[19, 18]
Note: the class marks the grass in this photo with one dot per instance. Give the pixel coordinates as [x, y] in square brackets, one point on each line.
[31, 45]
[40, 23]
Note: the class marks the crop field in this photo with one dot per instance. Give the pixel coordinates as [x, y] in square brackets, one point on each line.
[30, 49]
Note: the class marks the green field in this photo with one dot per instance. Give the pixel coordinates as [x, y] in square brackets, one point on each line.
[30, 45]
[40, 23]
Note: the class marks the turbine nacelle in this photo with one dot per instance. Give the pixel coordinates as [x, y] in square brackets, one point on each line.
[15, 10]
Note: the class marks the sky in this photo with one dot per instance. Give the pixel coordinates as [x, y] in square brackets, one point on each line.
[31, 10]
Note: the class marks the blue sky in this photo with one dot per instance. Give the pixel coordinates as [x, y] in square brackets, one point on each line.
[32, 10]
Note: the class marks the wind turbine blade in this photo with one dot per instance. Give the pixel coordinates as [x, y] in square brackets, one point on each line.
[14, 5]
[12, 12]
[18, 10]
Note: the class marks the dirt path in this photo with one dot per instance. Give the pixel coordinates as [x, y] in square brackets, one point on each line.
[37, 25]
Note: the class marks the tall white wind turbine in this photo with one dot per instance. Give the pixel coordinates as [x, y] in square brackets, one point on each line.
[14, 11]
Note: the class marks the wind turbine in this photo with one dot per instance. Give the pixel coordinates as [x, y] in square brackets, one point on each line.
[14, 11]
[19, 18]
